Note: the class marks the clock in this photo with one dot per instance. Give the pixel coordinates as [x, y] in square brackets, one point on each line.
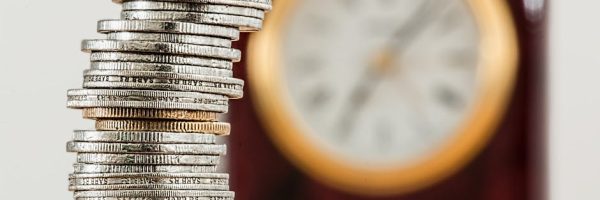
[382, 97]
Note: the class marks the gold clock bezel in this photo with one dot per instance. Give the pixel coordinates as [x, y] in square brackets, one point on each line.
[498, 63]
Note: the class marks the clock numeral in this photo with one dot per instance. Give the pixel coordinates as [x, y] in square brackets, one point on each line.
[350, 5]
[449, 97]
[318, 97]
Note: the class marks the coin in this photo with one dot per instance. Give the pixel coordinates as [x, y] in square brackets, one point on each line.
[172, 149]
[134, 113]
[156, 87]
[217, 128]
[159, 175]
[135, 159]
[159, 58]
[151, 99]
[194, 7]
[259, 4]
[147, 26]
[161, 48]
[148, 178]
[242, 22]
[160, 67]
[143, 137]
[154, 193]
[154, 198]
[169, 37]
[151, 186]
[80, 168]
[135, 180]
[163, 81]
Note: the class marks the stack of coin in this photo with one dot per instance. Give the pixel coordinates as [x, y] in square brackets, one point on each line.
[156, 87]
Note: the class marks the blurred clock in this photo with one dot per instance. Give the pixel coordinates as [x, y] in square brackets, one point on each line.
[383, 97]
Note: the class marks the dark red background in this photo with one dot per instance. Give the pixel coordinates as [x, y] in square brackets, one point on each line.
[510, 168]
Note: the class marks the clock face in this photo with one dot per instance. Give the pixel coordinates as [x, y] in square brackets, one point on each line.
[381, 81]
[383, 97]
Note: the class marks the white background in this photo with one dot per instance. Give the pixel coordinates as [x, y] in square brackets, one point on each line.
[575, 100]
[39, 61]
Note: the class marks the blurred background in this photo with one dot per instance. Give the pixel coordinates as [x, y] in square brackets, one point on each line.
[350, 99]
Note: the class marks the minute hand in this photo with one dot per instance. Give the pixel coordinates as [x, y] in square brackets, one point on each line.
[401, 39]
[418, 22]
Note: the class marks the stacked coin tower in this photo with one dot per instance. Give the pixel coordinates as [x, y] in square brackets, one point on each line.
[155, 87]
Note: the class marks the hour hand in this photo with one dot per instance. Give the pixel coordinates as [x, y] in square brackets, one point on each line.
[361, 93]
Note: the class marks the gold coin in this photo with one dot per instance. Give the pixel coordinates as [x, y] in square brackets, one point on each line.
[136, 113]
[217, 128]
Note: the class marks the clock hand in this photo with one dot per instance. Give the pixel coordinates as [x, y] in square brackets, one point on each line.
[416, 24]
[358, 98]
[402, 38]
[364, 90]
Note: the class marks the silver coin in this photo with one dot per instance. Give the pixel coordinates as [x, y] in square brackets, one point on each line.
[150, 186]
[81, 168]
[169, 37]
[194, 7]
[149, 114]
[155, 198]
[160, 58]
[172, 149]
[123, 82]
[158, 67]
[151, 99]
[161, 48]
[244, 23]
[159, 175]
[176, 149]
[154, 193]
[143, 137]
[163, 81]
[259, 4]
[107, 26]
[134, 159]
[217, 128]
[146, 180]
